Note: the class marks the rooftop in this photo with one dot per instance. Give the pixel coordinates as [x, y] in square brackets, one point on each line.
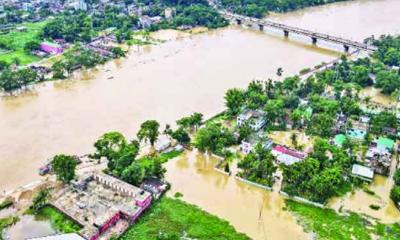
[363, 172]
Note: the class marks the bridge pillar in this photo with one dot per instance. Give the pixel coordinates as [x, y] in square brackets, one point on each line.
[346, 48]
[239, 22]
[261, 27]
[286, 33]
[314, 40]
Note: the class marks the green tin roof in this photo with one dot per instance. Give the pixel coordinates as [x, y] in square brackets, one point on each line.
[339, 139]
[384, 142]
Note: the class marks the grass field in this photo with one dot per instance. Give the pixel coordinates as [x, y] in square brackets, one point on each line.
[17, 40]
[174, 219]
[6, 222]
[328, 224]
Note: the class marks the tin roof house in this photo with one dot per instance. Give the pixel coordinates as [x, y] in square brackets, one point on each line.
[51, 48]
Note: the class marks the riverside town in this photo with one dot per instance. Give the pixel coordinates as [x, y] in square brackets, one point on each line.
[199, 119]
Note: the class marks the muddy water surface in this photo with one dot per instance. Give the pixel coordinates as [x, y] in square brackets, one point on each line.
[162, 82]
[254, 211]
[185, 74]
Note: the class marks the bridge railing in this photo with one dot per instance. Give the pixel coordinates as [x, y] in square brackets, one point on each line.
[297, 30]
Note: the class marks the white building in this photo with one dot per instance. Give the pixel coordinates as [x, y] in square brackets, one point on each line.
[362, 172]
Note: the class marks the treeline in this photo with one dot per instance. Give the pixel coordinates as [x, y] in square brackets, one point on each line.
[78, 26]
[14, 80]
[388, 49]
[76, 58]
[259, 8]
[195, 15]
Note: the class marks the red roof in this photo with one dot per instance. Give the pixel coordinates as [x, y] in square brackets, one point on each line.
[289, 152]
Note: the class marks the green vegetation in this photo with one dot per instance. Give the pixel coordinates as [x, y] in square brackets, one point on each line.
[122, 156]
[259, 8]
[195, 15]
[175, 219]
[6, 204]
[214, 138]
[64, 167]
[149, 131]
[13, 43]
[5, 223]
[75, 58]
[395, 192]
[79, 26]
[258, 166]
[318, 177]
[39, 201]
[58, 220]
[14, 80]
[327, 224]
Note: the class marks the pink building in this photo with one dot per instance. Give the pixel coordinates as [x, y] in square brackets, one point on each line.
[51, 48]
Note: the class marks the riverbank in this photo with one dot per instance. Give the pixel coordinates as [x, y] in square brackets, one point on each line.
[325, 223]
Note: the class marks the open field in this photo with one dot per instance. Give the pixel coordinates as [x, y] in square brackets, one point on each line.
[17, 40]
[328, 224]
[172, 219]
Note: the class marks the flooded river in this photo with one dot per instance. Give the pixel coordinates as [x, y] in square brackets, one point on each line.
[185, 74]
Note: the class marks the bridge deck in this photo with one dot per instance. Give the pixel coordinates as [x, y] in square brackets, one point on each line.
[300, 31]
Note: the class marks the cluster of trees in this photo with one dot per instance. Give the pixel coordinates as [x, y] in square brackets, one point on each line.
[194, 15]
[214, 137]
[321, 175]
[78, 26]
[76, 58]
[122, 154]
[388, 49]
[185, 126]
[64, 167]
[258, 166]
[12, 80]
[259, 8]
[395, 192]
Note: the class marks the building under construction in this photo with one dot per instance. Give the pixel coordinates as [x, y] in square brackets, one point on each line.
[103, 205]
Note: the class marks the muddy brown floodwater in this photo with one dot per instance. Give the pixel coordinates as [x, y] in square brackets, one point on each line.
[185, 74]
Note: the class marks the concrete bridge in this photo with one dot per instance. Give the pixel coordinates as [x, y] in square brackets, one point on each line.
[314, 36]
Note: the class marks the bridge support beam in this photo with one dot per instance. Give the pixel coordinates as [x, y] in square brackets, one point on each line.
[239, 22]
[314, 40]
[286, 33]
[346, 48]
[261, 27]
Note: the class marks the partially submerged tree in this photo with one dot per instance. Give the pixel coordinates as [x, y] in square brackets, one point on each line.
[64, 167]
[149, 130]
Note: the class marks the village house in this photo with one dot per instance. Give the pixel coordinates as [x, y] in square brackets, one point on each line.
[362, 172]
[379, 155]
[51, 48]
[287, 156]
[254, 118]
